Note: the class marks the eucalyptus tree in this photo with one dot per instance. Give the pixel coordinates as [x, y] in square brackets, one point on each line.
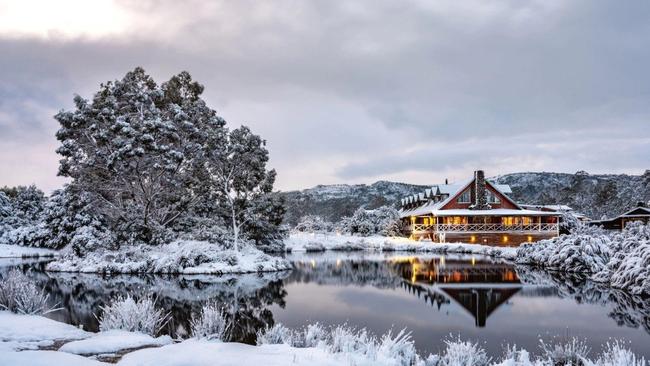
[138, 149]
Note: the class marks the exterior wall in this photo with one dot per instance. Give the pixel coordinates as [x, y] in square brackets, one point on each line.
[495, 239]
[453, 203]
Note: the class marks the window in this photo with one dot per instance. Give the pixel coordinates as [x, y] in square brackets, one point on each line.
[492, 198]
[465, 197]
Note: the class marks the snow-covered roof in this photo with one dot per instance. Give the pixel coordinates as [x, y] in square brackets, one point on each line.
[435, 211]
[550, 207]
[644, 212]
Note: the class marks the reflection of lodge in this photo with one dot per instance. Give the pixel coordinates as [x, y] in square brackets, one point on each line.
[474, 211]
[478, 287]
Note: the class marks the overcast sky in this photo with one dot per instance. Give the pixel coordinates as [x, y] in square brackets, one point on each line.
[352, 91]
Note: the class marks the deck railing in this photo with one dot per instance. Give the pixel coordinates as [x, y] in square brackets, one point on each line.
[482, 228]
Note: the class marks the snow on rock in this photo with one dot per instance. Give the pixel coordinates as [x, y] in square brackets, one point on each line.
[202, 353]
[179, 257]
[305, 242]
[20, 332]
[113, 341]
[46, 358]
[17, 251]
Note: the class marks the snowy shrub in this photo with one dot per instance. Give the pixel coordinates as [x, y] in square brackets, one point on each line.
[399, 349]
[277, 334]
[381, 221]
[516, 357]
[345, 339]
[616, 354]
[20, 295]
[315, 335]
[127, 313]
[573, 352]
[211, 323]
[314, 224]
[462, 353]
[580, 252]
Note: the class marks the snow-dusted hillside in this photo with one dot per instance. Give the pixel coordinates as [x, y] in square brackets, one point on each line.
[593, 195]
[332, 202]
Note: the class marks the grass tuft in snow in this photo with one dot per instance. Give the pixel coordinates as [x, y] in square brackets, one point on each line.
[573, 352]
[277, 334]
[127, 313]
[459, 352]
[616, 354]
[20, 295]
[211, 323]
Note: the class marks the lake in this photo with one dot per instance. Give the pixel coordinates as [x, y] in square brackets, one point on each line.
[435, 297]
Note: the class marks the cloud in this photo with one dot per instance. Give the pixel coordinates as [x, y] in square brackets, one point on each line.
[356, 91]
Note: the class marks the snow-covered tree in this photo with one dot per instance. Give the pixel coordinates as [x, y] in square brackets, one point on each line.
[153, 162]
[381, 221]
[314, 223]
[138, 150]
[237, 170]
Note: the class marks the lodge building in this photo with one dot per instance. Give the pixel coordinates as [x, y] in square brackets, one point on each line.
[475, 211]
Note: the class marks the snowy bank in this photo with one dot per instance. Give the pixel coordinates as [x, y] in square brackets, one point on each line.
[312, 346]
[20, 332]
[203, 353]
[114, 341]
[306, 242]
[17, 251]
[620, 259]
[179, 257]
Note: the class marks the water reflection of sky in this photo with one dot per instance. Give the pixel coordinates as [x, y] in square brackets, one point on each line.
[382, 291]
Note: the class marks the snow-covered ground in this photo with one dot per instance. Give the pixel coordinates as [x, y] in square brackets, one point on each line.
[337, 346]
[179, 257]
[113, 341]
[17, 251]
[307, 242]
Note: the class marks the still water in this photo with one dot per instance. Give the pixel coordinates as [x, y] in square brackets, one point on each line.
[434, 297]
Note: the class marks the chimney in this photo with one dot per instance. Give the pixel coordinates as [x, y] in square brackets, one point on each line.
[446, 181]
[480, 191]
[641, 204]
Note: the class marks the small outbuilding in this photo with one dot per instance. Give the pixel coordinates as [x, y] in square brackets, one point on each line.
[640, 213]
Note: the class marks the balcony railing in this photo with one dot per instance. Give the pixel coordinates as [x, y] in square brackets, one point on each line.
[482, 228]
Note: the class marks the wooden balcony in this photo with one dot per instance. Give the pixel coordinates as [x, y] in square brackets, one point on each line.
[484, 228]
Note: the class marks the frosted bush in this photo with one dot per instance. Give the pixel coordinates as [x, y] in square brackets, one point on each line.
[277, 334]
[462, 353]
[573, 352]
[20, 295]
[616, 354]
[345, 339]
[313, 223]
[315, 335]
[127, 313]
[210, 324]
[399, 350]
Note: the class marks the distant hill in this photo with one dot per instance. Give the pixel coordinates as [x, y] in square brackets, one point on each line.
[593, 195]
[333, 202]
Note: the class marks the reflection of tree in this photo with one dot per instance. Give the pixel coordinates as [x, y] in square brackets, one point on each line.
[626, 309]
[245, 298]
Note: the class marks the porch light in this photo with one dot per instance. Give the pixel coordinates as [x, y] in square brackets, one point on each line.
[505, 238]
[530, 238]
[472, 238]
